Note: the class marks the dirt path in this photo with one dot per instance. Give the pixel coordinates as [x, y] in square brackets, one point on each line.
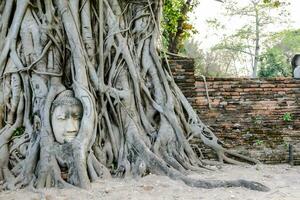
[283, 180]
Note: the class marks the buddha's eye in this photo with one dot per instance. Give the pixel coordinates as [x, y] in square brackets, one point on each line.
[61, 117]
[76, 116]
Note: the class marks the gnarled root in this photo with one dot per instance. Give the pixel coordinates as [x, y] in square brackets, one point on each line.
[135, 119]
[159, 166]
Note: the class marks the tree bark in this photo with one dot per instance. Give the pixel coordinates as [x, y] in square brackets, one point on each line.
[135, 119]
[257, 42]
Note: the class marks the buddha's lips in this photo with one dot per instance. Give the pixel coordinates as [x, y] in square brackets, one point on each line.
[68, 137]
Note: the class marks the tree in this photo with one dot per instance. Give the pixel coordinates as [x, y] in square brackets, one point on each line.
[176, 27]
[134, 118]
[281, 47]
[215, 63]
[222, 59]
[248, 39]
[274, 64]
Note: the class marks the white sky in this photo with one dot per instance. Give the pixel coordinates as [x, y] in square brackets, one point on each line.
[209, 9]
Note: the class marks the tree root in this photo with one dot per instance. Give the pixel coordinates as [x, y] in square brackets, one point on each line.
[135, 118]
[158, 166]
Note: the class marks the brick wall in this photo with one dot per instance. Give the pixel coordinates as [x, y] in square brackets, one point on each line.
[183, 73]
[247, 114]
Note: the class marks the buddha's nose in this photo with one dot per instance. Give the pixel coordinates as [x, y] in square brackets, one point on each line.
[71, 126]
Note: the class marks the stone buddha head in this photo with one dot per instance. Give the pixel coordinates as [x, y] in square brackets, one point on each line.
[66, 114]
[296, 66]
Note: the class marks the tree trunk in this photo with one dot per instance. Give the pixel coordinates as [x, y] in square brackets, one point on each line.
[133, 119]
[176, 38]
[257, 42]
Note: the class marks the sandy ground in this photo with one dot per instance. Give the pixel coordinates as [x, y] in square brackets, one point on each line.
[283, 180]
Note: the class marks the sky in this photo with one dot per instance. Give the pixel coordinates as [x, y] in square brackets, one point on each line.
[209, 9]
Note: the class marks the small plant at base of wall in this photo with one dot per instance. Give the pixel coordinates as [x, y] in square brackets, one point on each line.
[259, 142]
[287, 117]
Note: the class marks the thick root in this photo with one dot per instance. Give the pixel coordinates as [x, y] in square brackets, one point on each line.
[135, 119]
[159, 166]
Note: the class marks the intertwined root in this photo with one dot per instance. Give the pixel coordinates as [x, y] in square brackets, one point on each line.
[135, 118]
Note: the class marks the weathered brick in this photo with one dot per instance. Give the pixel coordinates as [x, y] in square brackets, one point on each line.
[267, 85]
[256, 105]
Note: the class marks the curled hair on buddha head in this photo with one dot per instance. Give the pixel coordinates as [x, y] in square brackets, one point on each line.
[294, 59]
[66, 97]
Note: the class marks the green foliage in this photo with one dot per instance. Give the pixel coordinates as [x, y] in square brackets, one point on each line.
[172, 14]
[276, 60]
[19, 131]
[274, 64]
[275, 3]
[287, 117]
[259, 142]
[286, 145]
[247, 41]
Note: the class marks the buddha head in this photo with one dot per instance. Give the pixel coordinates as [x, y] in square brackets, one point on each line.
[66, 114]
[296, 61]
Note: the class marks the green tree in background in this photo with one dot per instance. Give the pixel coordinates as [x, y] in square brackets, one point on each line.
[276, 60]
[228, 58]
[176, 27]
[248, 39]
[274, 64]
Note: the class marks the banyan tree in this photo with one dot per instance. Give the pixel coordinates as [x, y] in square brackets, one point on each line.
[85, 96]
